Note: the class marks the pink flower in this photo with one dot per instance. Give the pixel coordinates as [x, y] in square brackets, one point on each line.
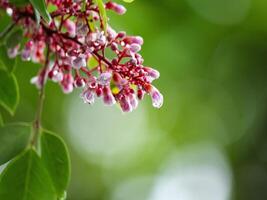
[88, 96]
[86, 52]
[104, 78]
[78, 62]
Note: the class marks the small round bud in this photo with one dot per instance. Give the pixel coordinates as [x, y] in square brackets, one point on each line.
[79, 82]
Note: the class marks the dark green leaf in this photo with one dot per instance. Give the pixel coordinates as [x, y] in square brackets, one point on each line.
[25, 178]
[56, 160]
[103, 14]
[5, 25]
[1, 121]
[40, 6]
[6, 61]
[9, 92]
[19, 2]
[14, 38]
[14, 139]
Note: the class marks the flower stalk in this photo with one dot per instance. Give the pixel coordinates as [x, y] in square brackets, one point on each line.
[40, 104]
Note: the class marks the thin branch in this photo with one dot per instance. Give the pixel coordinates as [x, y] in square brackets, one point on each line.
[38, 117]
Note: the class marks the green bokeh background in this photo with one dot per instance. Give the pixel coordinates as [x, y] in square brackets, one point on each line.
[208, 141]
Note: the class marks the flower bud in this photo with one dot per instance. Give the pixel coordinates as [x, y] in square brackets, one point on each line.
[134, 48]
[98, 91]
[117, 78]
[101, 38]
[26, 54]
[71, 28]
[140, 94]
[79, 82]
[133, 40]
[133, 101]
[125, 104]
[108, 97]
[67, 83]
[13, 52]
[119, 9]
[156, 96]
[55, 75]
[114, 46]
[152, 72]
[111, 33]
[121, 34]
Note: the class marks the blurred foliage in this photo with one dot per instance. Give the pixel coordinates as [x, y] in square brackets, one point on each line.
[213, 64]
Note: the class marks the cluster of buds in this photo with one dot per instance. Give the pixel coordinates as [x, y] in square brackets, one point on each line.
[76, 37]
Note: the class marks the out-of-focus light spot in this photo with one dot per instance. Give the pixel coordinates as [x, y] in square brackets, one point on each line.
[224, 12]
[104, 134]
[133, 189]
[9, 11]
[195, 173]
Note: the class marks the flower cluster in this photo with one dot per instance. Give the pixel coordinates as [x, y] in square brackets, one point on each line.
[83, 51]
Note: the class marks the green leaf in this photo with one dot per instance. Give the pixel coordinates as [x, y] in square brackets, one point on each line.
[128, 1]
[84, 5]
[6, 61]
[1, 121]
[19, 3]
[9, 92]
[40, 6]
[25, 178]
[56, 160]
[5, 26]
[14, 38]
[14, 139]
[103, 14]
[91, 23]
[37, 17]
